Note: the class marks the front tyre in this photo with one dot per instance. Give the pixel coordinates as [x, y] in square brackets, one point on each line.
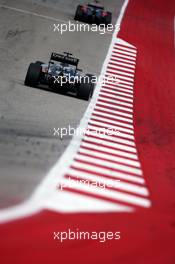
[39, 62]
[108, 18]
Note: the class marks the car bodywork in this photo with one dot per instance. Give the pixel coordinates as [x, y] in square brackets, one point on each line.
[93, 13]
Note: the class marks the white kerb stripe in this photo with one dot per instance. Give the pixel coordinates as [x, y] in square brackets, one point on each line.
[111, 138]
[108, 172]
[105, 183]
[118, 62]
[119, 133]
[109, 157]
[121, 197]
[111, 121]
[107, 103]
[121, 68]
[111, 115]
[114, 95]
[115, 57]
[104, 143]
[91, 145]
[111, 165]
[126, 49]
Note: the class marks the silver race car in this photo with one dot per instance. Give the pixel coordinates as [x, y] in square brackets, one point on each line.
[61, 74]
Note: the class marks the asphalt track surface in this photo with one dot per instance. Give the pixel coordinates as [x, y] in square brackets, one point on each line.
[147, 235]
[28, 116]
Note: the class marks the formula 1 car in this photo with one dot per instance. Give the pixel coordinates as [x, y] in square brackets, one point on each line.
[93, 13]
[61, 74]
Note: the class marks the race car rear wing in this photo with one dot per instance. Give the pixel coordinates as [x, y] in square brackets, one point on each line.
[64, 58]
[95, 6]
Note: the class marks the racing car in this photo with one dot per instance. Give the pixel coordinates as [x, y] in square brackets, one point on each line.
[93, 13]
[61, 74]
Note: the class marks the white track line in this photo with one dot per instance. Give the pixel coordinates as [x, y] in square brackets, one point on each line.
[32, 13]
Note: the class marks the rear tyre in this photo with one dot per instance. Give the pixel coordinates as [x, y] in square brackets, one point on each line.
[33, 75]
[78, 14]
[92, 78]
[85, 91]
